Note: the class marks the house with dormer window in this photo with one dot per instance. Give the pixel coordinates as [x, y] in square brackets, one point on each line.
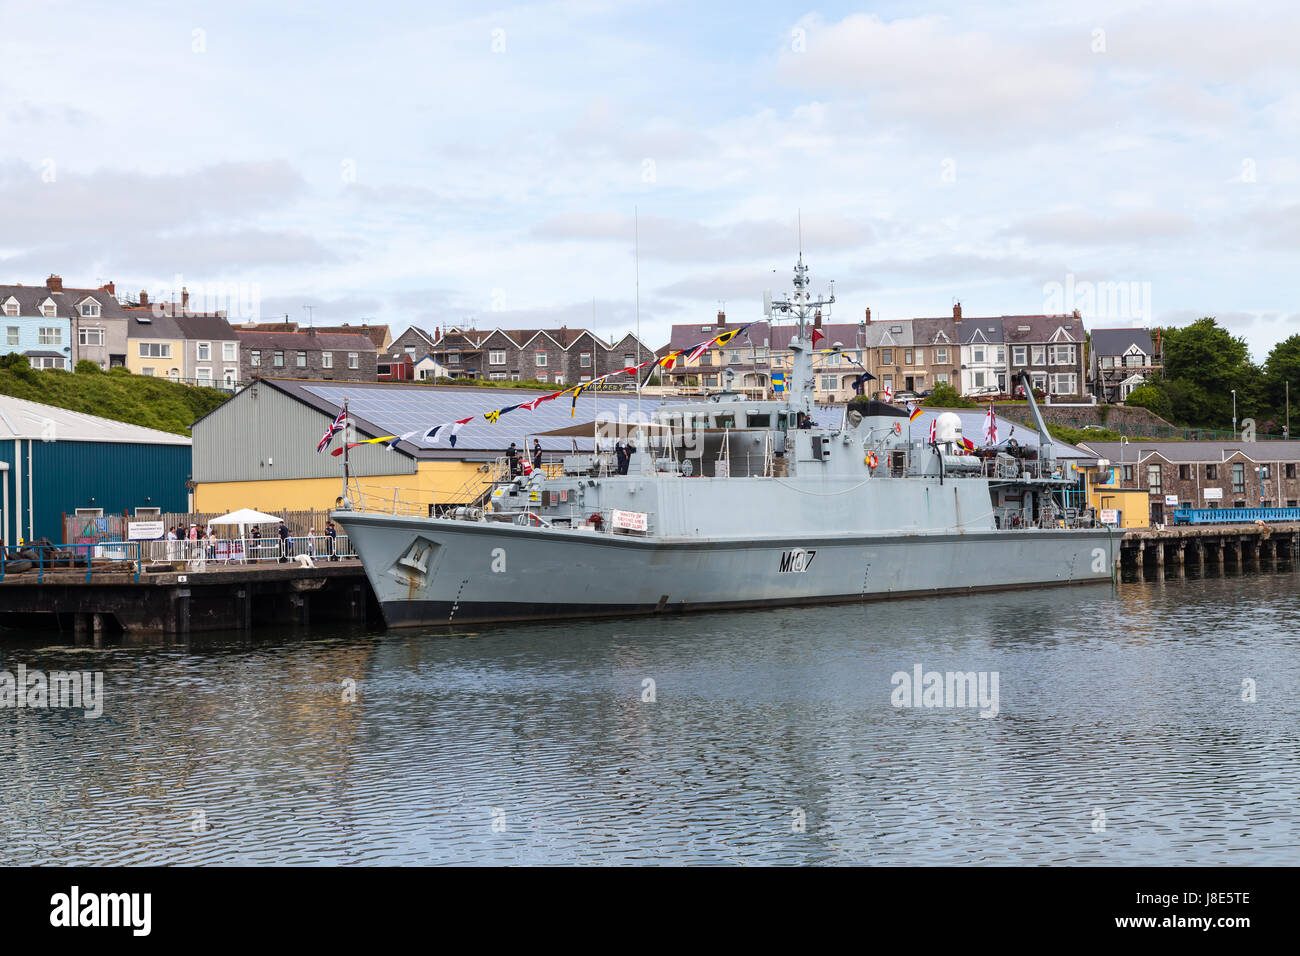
[983, 357]
[1121, 360]
[55, 327]
[1050, 348]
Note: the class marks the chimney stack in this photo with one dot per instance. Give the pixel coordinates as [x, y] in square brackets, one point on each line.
[817, 319]
[722, 317]
[956, 312]
[144, 298]
[564, 336]
[185, 299]
[54, 283]
[109, 288]
[868, 315]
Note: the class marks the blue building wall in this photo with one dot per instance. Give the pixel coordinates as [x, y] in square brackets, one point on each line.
[29, 335]
[67, 475]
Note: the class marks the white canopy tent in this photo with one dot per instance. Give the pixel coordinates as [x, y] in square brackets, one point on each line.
[245, 517]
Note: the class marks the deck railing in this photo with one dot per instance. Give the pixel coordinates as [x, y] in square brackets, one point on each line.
[43, 559]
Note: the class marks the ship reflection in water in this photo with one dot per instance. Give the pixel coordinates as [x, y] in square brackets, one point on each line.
[1121, 737]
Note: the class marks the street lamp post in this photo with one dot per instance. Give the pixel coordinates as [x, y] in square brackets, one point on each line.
[1234, 413]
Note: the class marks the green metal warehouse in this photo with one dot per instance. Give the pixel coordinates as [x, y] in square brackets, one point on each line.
[55, 462]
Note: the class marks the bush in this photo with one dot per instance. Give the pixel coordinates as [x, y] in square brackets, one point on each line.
[87, 367]
[1151, 397]
[945, 396]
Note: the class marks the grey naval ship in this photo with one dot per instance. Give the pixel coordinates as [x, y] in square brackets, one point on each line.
[730, 502]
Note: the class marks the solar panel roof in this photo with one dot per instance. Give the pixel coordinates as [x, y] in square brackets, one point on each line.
[397, 408]
[404, 408]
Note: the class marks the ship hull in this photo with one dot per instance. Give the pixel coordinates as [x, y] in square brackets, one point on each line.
[437, 572]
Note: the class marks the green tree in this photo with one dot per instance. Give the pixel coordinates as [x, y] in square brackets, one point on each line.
[1281, 366]
[945, 396]
[1204, 365]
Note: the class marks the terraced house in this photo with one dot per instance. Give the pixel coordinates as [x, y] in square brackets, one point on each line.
[984, 368]
[155, 343]
[55, 327]
[564, 356]
[1050, 348]
[168, 338]
[329, 356]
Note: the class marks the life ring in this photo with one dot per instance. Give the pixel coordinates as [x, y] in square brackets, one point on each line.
[872, 461]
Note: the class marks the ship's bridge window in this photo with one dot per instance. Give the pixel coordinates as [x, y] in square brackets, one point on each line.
[760, 420]
[725, 421]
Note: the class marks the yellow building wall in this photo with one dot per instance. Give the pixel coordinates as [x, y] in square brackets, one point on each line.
[161, 366]
[1134, 504]
[441, 482]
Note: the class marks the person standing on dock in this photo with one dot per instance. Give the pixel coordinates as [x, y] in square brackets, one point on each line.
[286, 547]
[331, 533]
[171, 544]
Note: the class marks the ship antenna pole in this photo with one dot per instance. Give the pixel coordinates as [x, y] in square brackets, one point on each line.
[636, 240]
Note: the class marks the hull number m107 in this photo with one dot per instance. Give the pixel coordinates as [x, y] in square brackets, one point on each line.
[797, 561]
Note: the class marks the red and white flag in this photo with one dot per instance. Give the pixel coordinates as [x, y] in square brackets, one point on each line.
[335, 427]
[991, 428]
[817, 335]
[889, 392]
[934, 432]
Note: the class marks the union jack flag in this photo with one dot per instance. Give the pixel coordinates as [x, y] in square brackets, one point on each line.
[335, 427]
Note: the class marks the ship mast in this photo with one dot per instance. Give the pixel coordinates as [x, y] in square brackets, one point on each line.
[803, 307]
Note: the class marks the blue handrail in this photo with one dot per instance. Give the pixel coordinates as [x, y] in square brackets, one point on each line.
[1233, 515]
[49, 556]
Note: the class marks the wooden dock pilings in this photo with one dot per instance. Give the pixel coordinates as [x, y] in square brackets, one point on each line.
[1203, 546]
[177, 602]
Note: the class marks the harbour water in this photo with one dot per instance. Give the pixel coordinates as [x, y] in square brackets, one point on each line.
[1121, 737]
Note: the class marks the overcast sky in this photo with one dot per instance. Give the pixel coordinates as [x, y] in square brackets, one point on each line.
[429, 163]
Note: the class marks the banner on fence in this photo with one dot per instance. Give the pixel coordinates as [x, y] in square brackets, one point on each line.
[145, 530]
